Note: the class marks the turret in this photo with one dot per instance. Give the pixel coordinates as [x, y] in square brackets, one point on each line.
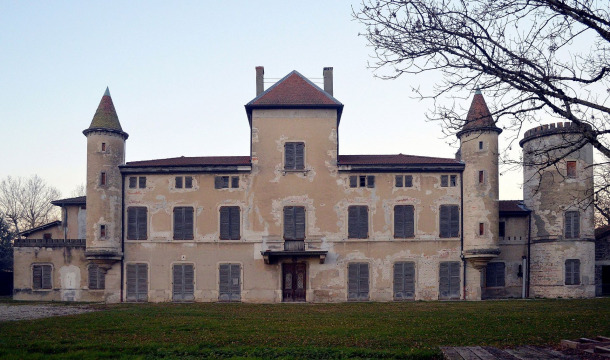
[105, 152]
[479, 152]
[558, 188]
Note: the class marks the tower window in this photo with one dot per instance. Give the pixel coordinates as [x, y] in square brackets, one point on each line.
[482, 177]
[502, 229]
[103, 178]
[103, 231]
[481, 229]
[571, 169]
[103, 146]
[480, 145]
[294, 156]
[572, 224]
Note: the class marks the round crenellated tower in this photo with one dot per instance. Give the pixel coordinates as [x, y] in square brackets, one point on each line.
[558, 188]
[105, 152]
[479, 152]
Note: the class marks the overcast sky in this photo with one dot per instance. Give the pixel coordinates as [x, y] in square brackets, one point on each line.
[180, 74]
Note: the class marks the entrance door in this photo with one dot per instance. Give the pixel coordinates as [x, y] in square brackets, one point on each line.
[293, 282]
[606, 280]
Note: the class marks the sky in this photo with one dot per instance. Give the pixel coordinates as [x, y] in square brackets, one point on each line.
[180, 73]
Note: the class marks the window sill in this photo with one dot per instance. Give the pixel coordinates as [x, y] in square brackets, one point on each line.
[304, 171]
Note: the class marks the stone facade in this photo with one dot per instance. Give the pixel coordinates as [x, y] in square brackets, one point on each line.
[297, 221]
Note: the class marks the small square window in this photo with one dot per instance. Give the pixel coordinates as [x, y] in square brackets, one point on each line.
[103, 146]
[188, 182]
[142, 182]
[133, 182]
[571, 169]
[103, 178]
[103, 231]
[453, 180]
[178, 182]
[399, 182]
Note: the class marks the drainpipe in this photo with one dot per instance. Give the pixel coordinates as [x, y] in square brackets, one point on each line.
[529, 242]
[122, 231]
[462, 233]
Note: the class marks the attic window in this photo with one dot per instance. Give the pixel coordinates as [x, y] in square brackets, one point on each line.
[362, 181]
[103, 146]
[403, 181]
[448, 180]
[184, 181]
[480, 145]
[222, 182]
[102, 231]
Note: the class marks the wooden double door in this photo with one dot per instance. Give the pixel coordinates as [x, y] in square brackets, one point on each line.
[294, 282]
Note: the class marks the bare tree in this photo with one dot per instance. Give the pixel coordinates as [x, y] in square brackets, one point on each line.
[79, 190]
[26, 203]
[532, 57]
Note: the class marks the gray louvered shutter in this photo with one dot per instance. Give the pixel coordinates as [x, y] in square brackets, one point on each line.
[178, 282]
[93, 276]
[178, 223]
[363, 282]
[399, 225]
[398, 180]
[576, 225]
[224, 223]
[132, 182]
[132, 223]
[454, 282]
[455, 220]
[189, 282]
[235, 181]
[289, 156]
[444, 180]
[445, 220]
[408, 180]
[404, 280]
[398, 281]
[409, 221]
[224, 290]
[142, 218]
[289, 229]
[178, 182]
[363, 221]
[46, 276]
[142, 281]
[235, 285]
[235, 221]
[37, 277]
[443, 280]
[299, 156]
[132, 282]
[370, 181]
[352, 222]
[218, 182]
[568, 220]
[353, 181]
[101, 278]
[188, 223]
[188, 182]
[352, 281]
[299, 219]
[142, 182]
[225, 182]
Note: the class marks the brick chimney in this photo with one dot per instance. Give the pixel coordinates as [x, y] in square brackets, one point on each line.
[260, 77]
[328, 80]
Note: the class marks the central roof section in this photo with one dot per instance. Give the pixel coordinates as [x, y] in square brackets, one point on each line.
[294, 91]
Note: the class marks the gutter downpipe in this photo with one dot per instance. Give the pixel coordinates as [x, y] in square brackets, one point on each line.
[529, 242]
[462, 233]
[122, 232]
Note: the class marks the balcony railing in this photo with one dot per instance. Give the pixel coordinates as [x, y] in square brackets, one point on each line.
[49, 243]
[294, 245]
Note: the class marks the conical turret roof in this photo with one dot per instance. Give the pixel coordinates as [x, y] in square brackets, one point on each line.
[106, 118]
[479, 117]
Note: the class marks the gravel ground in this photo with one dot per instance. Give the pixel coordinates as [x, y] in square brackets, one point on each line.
[27, 312]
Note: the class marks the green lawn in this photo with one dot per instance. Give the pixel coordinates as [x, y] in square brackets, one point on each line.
[287, 331]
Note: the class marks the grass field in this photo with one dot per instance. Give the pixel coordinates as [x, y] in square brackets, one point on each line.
[288, 331]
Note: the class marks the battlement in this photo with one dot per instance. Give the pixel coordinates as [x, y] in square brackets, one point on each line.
[550, 129]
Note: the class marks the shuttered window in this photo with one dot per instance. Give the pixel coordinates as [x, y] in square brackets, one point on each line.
[572, 272]
[358, 282]
[184, 282]
[229, 282]
[294, 156]
[137, 282]
[42, 277]
[444, 180]
[494, 274]
[449, 280]
[294, 223]
[572, 224]
[133, 182]
[178, 184]
[404, 221]
[97, 277]
[223, 182]
[137, 222]
[142, 182]
[229, 222]
[188, 182]
[449, 221]
[404, 281]
[362, 181]
[183, 223]
[403, 181]
[358, 222]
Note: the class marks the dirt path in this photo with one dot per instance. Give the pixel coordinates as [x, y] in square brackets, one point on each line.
[27, 312]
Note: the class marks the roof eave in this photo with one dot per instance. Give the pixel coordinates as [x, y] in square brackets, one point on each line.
[183, 169]
[457, 167]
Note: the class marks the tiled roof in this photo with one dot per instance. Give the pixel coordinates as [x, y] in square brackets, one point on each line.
[39, 228]
[398, 159]
[106, 117]
[513, 206]
[293, 90]
[79, 200]
[478, 114]
[193, 161]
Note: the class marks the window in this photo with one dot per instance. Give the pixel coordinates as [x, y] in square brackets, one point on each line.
[449, 221]
[222, 182]
[494, 274]
[502, 229]
[133, 182]
[481, 177]
[137, 282]
[229, 284]
[103, 178]
[481, 229]
[294, 223]
[229, 222]
[480, 145]
[137, 181]
[404, 223]
[294, 156]
[448, 180]
[103, 231]
[358, 222]
[572, 224]
[403, 181]
[142, 182]
[404, 280]
[183, 223]
[449, 280]
[362, 181]
[183, 181]
[137, 223]
[103, 146]
[184, 282]
[41, 277]
[571, 169]
[97, 277]
[572, 272]
[47, 236]
[358, 282]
